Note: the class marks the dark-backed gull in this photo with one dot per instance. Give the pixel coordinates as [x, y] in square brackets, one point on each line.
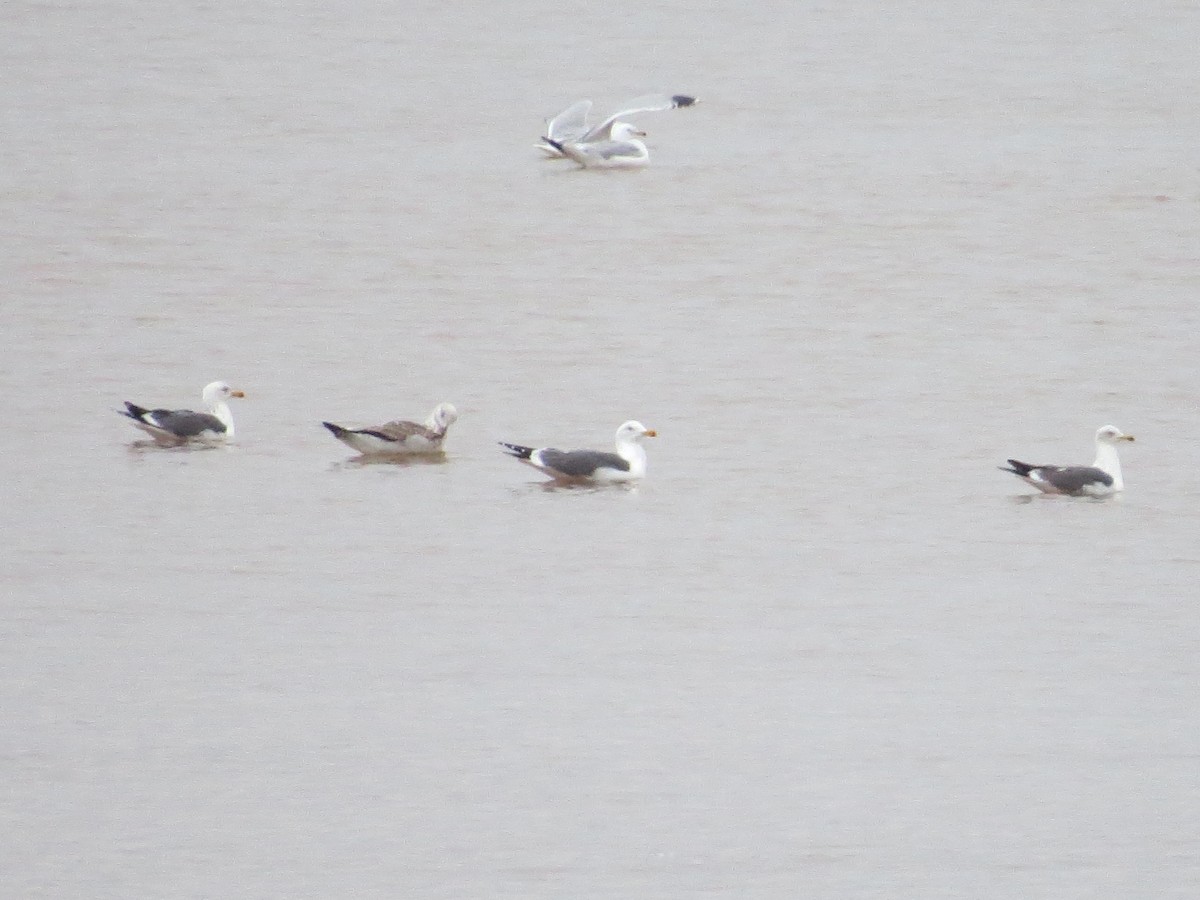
[628, 463]
[174, 427]
[1100, 479]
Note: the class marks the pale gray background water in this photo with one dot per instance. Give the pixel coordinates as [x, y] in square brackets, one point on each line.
[823, 651]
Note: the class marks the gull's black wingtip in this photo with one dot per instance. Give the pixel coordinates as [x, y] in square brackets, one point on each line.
[135, 412]
[681, 100]
[1017, 468]
[335, 430]
[517, 450]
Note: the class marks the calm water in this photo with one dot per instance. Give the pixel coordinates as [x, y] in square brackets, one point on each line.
[825, 650]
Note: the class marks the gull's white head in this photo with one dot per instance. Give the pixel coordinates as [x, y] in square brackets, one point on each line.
[623, 131]
[632, 432]
[443, 416]
[219, 392]
[1110, 434]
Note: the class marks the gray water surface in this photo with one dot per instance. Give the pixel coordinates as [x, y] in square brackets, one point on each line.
[826, 649]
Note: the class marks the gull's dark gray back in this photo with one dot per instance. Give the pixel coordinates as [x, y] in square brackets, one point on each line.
[582, 463]
[1073, 479]
[186, 423]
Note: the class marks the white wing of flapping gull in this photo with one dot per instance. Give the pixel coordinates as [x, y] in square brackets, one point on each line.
[570, 124]
[648, 103]
[627, 464]
[1101, 479]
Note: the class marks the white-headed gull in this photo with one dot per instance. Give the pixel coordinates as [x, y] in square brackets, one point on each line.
[400, 437]
[628, 463]
[174, 427]
[1100, 479]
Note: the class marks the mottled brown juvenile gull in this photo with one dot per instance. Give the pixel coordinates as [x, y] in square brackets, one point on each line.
[174, 427]
[571, 125]
[628, 463]
[1100, 479]
[399, 438]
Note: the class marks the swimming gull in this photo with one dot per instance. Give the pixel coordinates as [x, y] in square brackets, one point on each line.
[399, 437]
[174, 427]
[593, 466]
[571, 125]
[622, 151]
[1100, 479]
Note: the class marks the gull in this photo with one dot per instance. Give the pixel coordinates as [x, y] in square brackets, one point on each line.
[175, 427]
[1100, 479]
[399, 438]
[571, 126]
[622, 150]
[628, 463]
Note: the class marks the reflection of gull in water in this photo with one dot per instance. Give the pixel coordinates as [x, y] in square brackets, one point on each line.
[591, 466]
[1101, 478]
[571, 125]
